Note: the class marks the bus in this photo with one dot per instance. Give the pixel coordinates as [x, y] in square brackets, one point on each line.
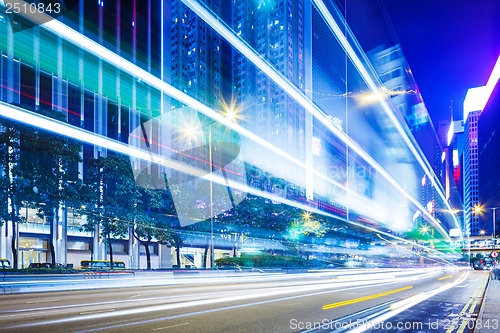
[102, 264]
[4, 263]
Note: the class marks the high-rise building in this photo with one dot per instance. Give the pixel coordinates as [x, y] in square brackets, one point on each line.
[123, 75]
[276, 30]
[474, 104]
[195, 54]
[489, 161]
[471, 172]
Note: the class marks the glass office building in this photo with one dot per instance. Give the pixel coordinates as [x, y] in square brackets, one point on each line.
[198, 130]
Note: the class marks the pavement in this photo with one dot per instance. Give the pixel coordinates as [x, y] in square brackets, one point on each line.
[488, 320]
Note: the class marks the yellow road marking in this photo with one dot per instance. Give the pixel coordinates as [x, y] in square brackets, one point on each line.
[473, 307]
[462, 327]
[474, 300]
[356, 300]
[445, 277]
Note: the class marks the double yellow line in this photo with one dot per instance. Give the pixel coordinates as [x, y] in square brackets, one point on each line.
[361, 299]
[472, 303]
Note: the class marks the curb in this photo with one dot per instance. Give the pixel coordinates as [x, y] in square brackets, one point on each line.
[481, 309]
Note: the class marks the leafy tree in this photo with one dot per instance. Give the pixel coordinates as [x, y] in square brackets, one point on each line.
[110, 195]
[148, 223]
[37, 168]
[9, 184]
[48, 166]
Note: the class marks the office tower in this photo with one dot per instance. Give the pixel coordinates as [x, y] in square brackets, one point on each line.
[276, 31]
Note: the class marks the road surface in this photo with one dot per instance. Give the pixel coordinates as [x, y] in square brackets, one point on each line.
[441, 300]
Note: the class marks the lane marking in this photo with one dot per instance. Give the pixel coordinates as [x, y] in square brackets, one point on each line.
[55, 300]
[200, 312]
[472, 303]
[445, 277]
[97, 311]
[462, 327]
[167, 327]
[296, 303]
[361, 299]
[370, 321]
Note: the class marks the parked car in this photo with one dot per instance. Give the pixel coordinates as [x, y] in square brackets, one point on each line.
[4, 263]
[40, 265]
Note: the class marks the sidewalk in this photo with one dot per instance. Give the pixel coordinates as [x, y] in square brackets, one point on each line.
[488, 319]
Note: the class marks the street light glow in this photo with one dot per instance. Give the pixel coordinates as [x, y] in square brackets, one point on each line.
[231, 114]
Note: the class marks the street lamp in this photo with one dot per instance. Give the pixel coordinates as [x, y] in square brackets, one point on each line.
[479, 209]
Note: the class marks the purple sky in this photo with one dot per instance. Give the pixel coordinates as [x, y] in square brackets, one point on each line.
[450, 45]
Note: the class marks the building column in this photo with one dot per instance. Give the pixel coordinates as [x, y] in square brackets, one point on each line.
[164, 256]
[63, 238]
[133, 250]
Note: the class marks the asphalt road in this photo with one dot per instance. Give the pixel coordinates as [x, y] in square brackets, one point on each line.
[319, 302]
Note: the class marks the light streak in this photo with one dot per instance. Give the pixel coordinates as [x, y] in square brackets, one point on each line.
[299, 96]
[252, 294]
[33, 119]
[373, 87]
[406, 305]
[87, 44]
[90, 46]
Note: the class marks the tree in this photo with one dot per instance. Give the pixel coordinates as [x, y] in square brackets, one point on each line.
[153, 210]
[48, 166]
[110, 196]
[9, 185]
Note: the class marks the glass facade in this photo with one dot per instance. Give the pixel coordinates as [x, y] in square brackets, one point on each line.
[197, 130]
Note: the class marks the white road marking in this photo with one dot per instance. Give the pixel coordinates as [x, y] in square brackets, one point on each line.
[94, 312]
[54, 300]
[167, 327]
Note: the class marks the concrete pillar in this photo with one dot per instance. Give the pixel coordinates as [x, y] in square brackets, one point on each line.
[63, 240]
[164, 256]
[133, 246]
[98, 247]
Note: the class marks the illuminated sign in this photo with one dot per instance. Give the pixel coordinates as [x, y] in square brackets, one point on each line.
[430, 207]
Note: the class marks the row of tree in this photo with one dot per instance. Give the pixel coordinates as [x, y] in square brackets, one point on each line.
[40, 168]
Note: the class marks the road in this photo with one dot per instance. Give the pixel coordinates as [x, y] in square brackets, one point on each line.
[314, 302]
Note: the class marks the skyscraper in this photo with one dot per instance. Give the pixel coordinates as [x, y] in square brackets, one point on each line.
[276, 31]
[471, 174]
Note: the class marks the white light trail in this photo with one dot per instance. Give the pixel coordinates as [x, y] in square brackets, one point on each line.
[87, 44]
[90, 46]
[241, 296]
[403, 305]
[33, 119]
[376, 91]
[239, 44]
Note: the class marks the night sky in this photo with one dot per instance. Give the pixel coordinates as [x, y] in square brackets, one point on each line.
[450, 45]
